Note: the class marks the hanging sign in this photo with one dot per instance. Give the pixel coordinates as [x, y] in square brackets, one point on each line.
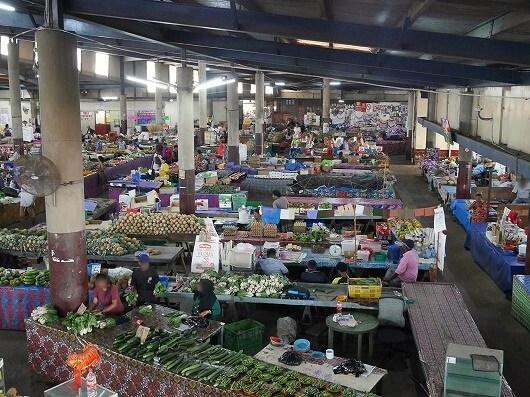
[447, 131]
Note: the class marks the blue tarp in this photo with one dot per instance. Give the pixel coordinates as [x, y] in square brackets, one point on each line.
[460, 211]
[270, 215]
[500, 268]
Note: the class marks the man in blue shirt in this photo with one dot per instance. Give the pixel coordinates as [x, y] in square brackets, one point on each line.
[270, 265]
[312, 275]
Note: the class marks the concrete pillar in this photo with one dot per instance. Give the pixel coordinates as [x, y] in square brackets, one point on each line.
[260, 104]
[186, 142]
[203, 103]
[411, 117]
[210, 107]
[13, 67]
[232, 116]
[159, 92]
[61, 143]
[33, 110]
[123, 99]
[326, 94]
[463, 186]
[431, 115]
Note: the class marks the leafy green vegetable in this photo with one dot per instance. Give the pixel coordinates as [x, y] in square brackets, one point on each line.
[160, 289]
[144, 309]
[131, 297]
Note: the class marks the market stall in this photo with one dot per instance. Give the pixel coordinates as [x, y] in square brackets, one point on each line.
[501, 266]
[10, 210]
[17, 303]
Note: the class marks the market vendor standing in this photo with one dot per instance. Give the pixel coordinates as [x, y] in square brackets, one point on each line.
[479, 210]
[279, 202]
[407, 270]
[144, 279]
[106, 297]
[205, 303]
[521, 191]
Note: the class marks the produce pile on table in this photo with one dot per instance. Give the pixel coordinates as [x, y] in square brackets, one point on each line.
[217, 189]
[181, 354]
[448, 180]
[98, 242]
[31, 277]
[82, 324]
[158, 224]
[45, 314]
[404, 226]
[242, 285]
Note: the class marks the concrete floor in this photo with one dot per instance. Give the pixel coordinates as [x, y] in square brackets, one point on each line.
[485, 301]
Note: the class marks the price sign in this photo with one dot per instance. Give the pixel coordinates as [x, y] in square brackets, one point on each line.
[142, 333]
[96, 268]
[81, 309]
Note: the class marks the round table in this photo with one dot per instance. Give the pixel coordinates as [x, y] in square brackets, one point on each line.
[367, 324]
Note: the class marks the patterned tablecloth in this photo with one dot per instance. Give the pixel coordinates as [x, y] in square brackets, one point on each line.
[48, 348]
[439, 316]
[323, 369]
[17, 303]
[521, 299]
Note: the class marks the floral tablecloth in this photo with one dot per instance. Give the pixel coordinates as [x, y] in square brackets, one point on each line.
[48, 348]
[17, 303]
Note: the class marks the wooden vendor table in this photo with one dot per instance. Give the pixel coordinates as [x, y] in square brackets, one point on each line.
[104, 207]
[438, 317]
[324, 371]
[10, 213]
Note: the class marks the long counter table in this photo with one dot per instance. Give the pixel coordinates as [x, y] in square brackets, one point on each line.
[17, 303]
[168, 256]
[374, 203]
[438, 317]
[500, 268]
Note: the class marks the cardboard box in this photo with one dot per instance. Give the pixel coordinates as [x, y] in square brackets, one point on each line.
[211, 181]
[353, 160]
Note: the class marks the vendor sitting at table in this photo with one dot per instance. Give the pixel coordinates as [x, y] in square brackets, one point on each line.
[312, 275]
[407, 270]
[106, 297]
[342, 273]
[144, 279]
[270, 265]
[205, 303]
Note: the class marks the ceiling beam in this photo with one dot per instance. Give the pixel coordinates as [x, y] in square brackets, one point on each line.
[499, 24]
[353, 58]
[326, 11]
[415, 12]
[250, 5]
[297, 27]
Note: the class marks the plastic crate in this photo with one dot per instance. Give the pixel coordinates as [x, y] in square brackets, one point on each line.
[246, 335]
[359, 291]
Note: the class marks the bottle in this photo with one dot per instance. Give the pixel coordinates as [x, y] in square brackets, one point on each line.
[339, 308]
[91, 384]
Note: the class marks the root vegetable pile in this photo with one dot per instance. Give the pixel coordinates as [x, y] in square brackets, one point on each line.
[158, 224]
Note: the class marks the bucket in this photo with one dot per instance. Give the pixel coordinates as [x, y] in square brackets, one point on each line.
[379, 256]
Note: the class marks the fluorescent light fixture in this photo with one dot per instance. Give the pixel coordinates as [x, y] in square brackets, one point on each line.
[239, 87]
[218, 81]
[6, 7]
[79, 59]
[334, 83]
[341, 100]
[279, 83]
[109, 98]
[269, 90]
[102, 64]
[208, 69]
[336, 46]
[146, 82]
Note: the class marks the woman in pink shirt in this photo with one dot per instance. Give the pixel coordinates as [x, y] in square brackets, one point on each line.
[106, 297]
[407, 270]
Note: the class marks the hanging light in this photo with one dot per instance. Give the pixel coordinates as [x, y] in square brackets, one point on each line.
[218, 81]
[139, 80]
[6, 7]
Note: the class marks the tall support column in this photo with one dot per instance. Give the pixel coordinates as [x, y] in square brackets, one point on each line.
[232, 115]
[159, 103]
[203, 103]
[326, 95]
[186, 141]
[13, 66]
[463, 185]
[411, 122]
[61, 143]
[260, 104]
[123, 99]
[34, 112]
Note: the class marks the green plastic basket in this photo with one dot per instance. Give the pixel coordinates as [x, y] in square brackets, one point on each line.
[246, 335]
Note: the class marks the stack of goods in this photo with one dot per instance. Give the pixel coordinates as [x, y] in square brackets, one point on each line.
[256, 229]
[404, 226]
[158, 224]
[299, 227]
[301, 208]
[232, 178]
[229, 230]
[448, 180]
[217, 189]
[270, 230]
[98, 242]
[14, 278]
